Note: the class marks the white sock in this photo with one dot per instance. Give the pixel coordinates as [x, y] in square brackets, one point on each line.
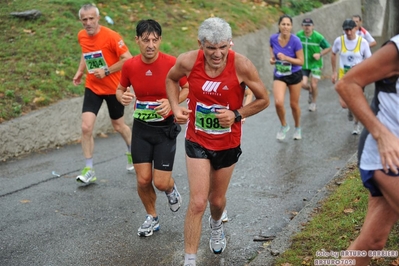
[216, 224]
[189, 259]
[89, 162]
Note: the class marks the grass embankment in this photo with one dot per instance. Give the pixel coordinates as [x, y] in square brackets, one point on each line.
[334, 225]
[40, 57]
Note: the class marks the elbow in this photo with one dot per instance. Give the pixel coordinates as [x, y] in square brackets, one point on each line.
[266, 103]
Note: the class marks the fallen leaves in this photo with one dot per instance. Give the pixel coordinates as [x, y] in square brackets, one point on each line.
[30, 32]
[349, 210]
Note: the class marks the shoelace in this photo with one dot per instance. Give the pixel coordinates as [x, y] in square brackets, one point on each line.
[173, 197]
[147, 222]
[216, 234]
[88, 174]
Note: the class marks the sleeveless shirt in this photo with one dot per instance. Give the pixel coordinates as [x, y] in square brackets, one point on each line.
[207, 95]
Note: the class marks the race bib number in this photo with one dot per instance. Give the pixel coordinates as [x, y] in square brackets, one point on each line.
[346, 68]
[206, 121]
[316, 73]
[283, 68]
[145, 111]
[94, 60]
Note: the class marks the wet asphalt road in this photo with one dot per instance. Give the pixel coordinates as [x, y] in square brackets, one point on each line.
[50, 220]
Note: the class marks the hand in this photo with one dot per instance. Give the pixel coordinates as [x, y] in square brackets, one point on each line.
[317, 56]
[77, 79]
[181, 114]
[334, 77]
[281, 56]
[99, 73]
[388, 147]
[164, 108]
[272, 60]
[226, 117]
[127, 98]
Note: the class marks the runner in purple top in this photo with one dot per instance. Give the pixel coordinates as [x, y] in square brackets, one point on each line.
[294, 44]
[286, 54]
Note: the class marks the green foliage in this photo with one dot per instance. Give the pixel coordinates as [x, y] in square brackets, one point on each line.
[296, 7]
[42, 55]
[334, 225]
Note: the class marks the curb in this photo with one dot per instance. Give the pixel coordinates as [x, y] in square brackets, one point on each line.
[282, 242]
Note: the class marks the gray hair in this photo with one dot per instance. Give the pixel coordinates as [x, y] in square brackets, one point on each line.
[214, 30]
[88, 7]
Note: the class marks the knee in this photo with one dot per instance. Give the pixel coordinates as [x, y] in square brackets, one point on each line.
[117, 126]
[314, 84]
[162, 185]
[144, 182]
[87, 129]
[279, 105]
[217, 202]
[294, 105]
[198, 205]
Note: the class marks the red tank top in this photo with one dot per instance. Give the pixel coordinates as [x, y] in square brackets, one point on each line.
[208, 94]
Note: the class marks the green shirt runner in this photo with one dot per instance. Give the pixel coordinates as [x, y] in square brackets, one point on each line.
[313, 44]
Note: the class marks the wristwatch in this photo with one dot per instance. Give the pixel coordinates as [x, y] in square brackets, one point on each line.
[106, 72]
[238, 116]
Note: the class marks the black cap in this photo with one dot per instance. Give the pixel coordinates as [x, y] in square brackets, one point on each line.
[307, 22]
[348, 24]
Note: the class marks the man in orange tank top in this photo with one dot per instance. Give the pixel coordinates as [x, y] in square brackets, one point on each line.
[217, 78]
[103, 54]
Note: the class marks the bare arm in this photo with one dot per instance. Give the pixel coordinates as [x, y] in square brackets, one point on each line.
[323, 52]
[247, 73]
[183, 92]
[100, 72]
[123, 95]
[182, 67]
[298, 60]
[118, 65]
[372, 44]
[272, 58]
[77, 79]
[334, 67]
[382, 64]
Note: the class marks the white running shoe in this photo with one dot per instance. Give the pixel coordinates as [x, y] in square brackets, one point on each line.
[149, 226]
[225, 218]
[174, 199]
[282, 132]
[87, 176]
[218, 242]
[297, 133]
[312, 107]
[129, 165]
[357, 129]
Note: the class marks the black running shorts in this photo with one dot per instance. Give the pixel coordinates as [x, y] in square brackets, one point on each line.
[218, 159]
[92, 103]
[151, 143]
